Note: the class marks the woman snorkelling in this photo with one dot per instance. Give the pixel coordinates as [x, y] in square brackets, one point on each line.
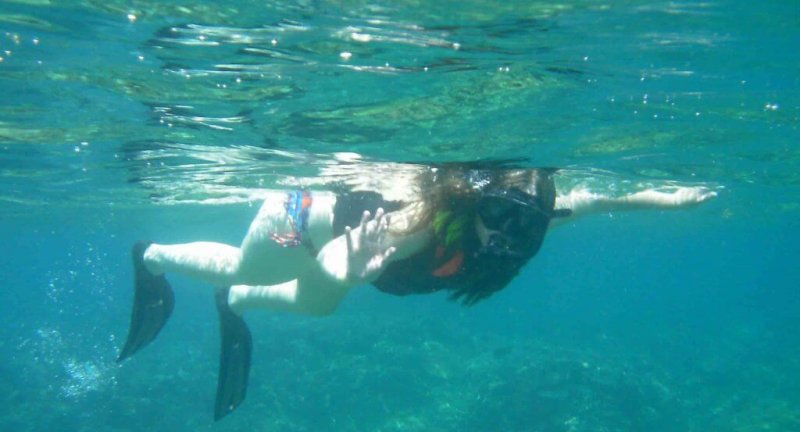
[464, 229]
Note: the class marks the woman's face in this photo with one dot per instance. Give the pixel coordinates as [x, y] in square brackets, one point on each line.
[510, 224]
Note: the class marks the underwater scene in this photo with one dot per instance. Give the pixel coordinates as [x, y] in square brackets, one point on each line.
[167, 121]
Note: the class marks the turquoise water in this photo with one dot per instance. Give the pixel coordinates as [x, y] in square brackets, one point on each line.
[127, 120]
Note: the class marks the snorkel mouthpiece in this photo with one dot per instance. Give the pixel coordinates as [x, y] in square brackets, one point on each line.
[499, 246]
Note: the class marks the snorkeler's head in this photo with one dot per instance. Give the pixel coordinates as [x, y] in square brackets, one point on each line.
[509, 228]
[510, 223]
[487, 224]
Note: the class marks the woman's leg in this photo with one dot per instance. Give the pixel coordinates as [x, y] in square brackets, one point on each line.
[268, 256]
[213, 263]
[274, 250]
[217, 263]
[282, 240]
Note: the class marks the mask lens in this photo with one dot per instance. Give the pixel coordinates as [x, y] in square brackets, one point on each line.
[496, 212]
[513, 220]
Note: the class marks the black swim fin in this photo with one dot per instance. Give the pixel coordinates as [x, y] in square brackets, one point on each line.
[153, 302]
[234, 357]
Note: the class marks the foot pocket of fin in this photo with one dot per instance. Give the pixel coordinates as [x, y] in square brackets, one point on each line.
[234, 358]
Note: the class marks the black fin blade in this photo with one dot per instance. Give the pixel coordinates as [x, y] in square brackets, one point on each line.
[153, 302]
[234, 358]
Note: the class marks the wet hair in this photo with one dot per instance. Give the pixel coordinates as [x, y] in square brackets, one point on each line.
[454, 196]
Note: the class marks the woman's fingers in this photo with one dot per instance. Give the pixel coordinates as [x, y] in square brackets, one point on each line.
[364, 221]
[371, 231]
[372, 226]
[365, 245]
[383, 227]
[348, 236]
[375, 226]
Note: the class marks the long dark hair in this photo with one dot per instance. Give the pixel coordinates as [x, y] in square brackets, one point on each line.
[456, 260]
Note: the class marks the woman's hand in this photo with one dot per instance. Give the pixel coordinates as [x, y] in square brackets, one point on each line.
[367, 255]
[361, 254]
[679, 197]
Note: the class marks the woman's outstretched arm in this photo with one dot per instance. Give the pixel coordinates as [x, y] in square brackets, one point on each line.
[581, 202]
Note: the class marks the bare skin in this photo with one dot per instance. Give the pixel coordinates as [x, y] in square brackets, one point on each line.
[265, 275]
